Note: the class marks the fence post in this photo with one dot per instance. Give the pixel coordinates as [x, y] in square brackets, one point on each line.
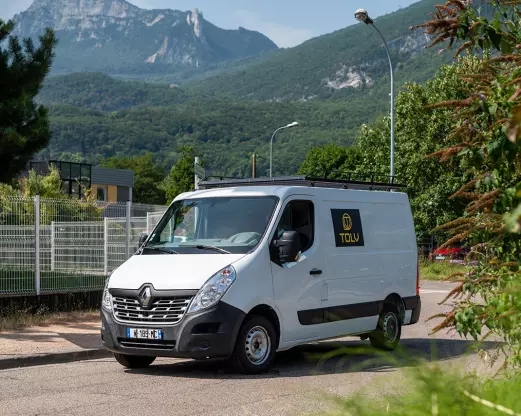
[37, 244]
[105, 246]
[148, 222]
[127, 228]
[53, 245]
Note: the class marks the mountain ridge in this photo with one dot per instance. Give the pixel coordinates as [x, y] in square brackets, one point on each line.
[117, 37]
[334, 64]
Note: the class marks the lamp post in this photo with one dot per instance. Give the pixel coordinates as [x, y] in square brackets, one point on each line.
[294, 124]
[362, 16]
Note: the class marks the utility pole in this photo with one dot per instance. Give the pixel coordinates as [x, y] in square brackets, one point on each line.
[254, 166]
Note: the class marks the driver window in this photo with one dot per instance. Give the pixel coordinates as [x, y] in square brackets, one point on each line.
[298, 216]
[181, 226]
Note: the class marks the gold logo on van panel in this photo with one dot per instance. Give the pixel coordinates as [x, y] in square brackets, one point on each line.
[348, 222]
[348, 238]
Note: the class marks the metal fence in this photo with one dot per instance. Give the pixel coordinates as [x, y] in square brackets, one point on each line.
[63, 245]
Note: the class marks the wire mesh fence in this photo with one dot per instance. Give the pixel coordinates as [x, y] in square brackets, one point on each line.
[63, 245]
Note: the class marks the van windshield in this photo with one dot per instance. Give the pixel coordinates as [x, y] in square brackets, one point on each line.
[212, 225]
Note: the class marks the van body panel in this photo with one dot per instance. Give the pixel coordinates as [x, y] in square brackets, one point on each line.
[366, 275]
[170, 271]
[254, 285]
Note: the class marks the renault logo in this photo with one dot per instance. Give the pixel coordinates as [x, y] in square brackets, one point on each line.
[347, 222]
[145, 296]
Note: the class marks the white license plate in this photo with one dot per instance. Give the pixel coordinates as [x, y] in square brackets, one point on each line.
[440, 257]
[139, 333]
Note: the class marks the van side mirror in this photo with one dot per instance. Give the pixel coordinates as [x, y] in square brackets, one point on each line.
[287, 248]
[142, 238]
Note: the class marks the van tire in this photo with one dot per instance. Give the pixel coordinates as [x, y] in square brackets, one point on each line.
[389, 330]
[133, 361]
[255, 329]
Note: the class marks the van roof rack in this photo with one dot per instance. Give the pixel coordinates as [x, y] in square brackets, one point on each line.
[341, 180]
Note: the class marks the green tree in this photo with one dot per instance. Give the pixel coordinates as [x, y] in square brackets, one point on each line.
[24, 125]
[48, 186]
[331, 159]
[419, 132]
[148, 177]
[17, 205]
[181, 176]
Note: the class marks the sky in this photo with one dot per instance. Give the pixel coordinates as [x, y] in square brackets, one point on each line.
[287, 22]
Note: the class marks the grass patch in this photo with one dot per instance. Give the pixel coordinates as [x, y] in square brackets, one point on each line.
[431, 390]
[22, 281]
[439, 270]
[21, 319]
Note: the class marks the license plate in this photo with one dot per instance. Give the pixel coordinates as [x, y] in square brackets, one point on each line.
[139, 333]
[440, 257]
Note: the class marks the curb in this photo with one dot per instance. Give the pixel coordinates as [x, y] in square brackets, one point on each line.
[58, 358]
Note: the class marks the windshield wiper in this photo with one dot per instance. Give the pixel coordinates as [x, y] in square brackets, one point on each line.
[160, 249]
[218, 249]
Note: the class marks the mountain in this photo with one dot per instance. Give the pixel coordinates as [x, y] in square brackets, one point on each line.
[116, 37]
[331, 85]
[338, 64]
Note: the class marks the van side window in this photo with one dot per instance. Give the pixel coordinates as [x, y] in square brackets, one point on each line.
[298, 216]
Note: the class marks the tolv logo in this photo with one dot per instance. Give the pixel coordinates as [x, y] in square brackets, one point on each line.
[347, 226]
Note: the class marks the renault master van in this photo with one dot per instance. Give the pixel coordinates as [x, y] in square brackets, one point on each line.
[241, 269]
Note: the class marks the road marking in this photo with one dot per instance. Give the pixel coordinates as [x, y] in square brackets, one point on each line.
[428, 291]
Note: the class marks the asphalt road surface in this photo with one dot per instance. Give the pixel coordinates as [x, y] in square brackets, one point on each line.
[301, 382]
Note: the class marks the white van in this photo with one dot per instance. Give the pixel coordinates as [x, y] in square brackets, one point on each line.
[263, 266]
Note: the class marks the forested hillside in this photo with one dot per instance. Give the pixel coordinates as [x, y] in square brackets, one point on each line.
[224, 133]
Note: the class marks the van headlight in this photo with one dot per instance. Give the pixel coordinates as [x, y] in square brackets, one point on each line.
[106, 301]
[213, 290]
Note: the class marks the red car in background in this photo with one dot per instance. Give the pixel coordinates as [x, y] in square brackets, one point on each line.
[450, 253]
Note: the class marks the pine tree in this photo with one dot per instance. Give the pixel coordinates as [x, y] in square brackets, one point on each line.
[24, 125]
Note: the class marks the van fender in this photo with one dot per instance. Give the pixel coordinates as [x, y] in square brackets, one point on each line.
[396, 300]
[265, 307]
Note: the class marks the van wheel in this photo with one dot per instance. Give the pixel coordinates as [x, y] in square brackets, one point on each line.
[255, 347]
[133, 361]
[389, 330]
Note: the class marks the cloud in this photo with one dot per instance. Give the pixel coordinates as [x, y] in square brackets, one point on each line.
[283, 35]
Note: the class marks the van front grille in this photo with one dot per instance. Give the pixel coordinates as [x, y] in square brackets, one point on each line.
[147, 344]
[163, 310]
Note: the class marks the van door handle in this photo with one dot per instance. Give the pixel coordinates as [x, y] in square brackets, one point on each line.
[315, 272]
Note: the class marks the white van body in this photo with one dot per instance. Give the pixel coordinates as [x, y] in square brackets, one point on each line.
[361, 256]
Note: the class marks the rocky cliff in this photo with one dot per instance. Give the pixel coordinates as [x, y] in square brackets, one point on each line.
[114, 36]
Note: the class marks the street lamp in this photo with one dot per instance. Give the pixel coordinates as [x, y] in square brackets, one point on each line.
[294, 124]
[362, 16]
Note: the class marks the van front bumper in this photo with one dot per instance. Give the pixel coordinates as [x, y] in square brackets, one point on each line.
[206, 334]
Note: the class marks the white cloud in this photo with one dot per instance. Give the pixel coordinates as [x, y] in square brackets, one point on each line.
[283, 35]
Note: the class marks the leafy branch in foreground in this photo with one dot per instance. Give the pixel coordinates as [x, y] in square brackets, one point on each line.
[487, 138]
[432, 390]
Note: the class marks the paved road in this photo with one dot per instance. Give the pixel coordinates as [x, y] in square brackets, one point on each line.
[298, 383]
